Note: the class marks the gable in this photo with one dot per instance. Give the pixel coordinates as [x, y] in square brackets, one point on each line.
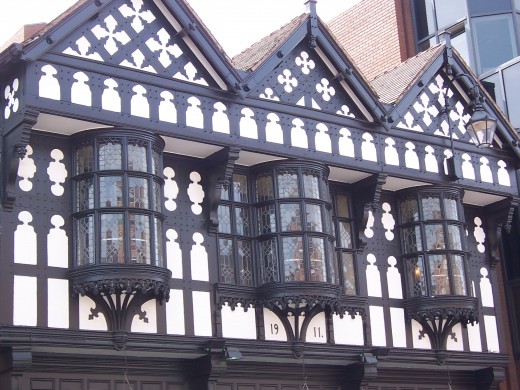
[304, 79]
[136, 34]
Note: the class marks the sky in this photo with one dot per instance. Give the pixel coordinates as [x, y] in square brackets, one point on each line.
[236, 24]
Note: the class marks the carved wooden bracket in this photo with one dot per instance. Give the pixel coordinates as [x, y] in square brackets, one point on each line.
[220, 168]
[14, 142]
[500, 216]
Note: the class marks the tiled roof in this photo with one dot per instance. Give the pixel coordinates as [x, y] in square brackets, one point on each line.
[250, 58]
[392, 84]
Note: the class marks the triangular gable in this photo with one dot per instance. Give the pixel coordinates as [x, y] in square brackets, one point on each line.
[296, 67]
[148, 36]
[435, 102]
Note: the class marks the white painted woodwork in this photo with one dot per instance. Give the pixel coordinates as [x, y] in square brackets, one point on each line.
[274, 329]
[25, 300]
[346, 145]
[485, 171]
[139, 103]
[57, 244]
[322, 139]
[25, 240]
[388, 221]
[57, 172]
[173, 254]
[273, 129]
[248, 126]
[317, 329]
[368, 149]
[148, 324]
[110, 99]
[486, 290]
[194, 116]
[393, 277]
[268, 94]
[298, 134]
[48, 86]
[490, 324]
[391, 155]
[455, 339]
[474, 338]
[199, 259]
[430, 161]
[398, 327]
[348, 330]
[58, 303]
[373, 277]
[238, 323]
[377, 325]
[420, 341]
[202, 313]
[220, 120]
[171, 189]
[502, 174]
[480, 235]
[467, 168]
[80, 92]
[26, 170]
[86, 320]
[287, 80]
[11, 97]
[411, 160]
[369, 232]
[175, 313]
[196, 193]
[167, 109]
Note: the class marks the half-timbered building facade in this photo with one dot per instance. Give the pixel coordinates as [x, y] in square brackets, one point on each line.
[175, 219]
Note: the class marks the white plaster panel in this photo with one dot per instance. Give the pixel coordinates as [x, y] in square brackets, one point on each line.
[25, 300]
[87, 323]
[455, 341]
[199, 259]
[25, 240]
[238, 323]
[398, 327]
[475, 342]
[58, 303]
[490, 324]
[175, 313]
[377, 325]
[57, 244]
[317, 329]
[419, 341]
[348, 330]
[274, 329]
[373, 277]
[148, 324]
[202, 313]
[486, 290]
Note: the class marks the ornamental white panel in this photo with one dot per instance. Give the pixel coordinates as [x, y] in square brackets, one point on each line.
[57, 172]
[393, 277]
[87, 320]
[348, 330]
[486, 290]
[373, 277]
[146, 321]
[57, 244]
[475, 342]
[220, 120]
[25, 240]
[174, 254]
[274, 329]
[238, 323]
[317, 329]
[196, 193]
[419, 337]
[25, 300]
[398, 327]
[485, 171]
[175, 313]
[490, 324]
[26, 170]
[273, 129]
[455, 341]
[202, 313]
[377, 325]
[199, 259]
[58, 303]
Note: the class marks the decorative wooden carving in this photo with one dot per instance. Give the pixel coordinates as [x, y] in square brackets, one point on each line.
[220, 166]
[500, 217]
[368, 194]
[14, 142]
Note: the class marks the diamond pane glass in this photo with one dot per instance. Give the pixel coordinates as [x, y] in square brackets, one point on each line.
[84, 159]
[311, 186]
[224, 219]
[342, 206]
[294, 267]
[412, 239]
[290, 217]
[434, 236]
[240, 193]
[226, 261]
[85, 243]
[349, 273]
[317, 259]
[431, 206]
[138, 192]
[85, 194]
[439, 275]
[159, 242]
[458, 276]
[416, 271]
[332, 263]
[266, 219]
[264, 188]
[409, 211]
[157, 192]
[109, 155]
[245, 259]
[287, 185]
[313, 217]
[139, 239]
[156, 162]
[450, 209]
[454, 237]
[112, 243]
[110, 191]
[269, 255]
[345, 235]
[242, 221]
[137, 158]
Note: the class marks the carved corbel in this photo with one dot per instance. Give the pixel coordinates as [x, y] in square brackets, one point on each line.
[14, 141]
[221, 165]
[368, 195]
[500, 218]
